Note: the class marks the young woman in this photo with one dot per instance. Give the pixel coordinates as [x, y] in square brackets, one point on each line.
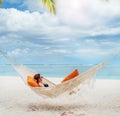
[39, 80]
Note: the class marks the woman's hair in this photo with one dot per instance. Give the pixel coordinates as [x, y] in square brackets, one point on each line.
[37, 77]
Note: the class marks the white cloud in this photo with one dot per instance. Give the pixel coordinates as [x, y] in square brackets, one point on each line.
[60, 51]
[90, 53]
[87, 12]
[37, 24]
[19, 52]
[35, 34]
[93, 49]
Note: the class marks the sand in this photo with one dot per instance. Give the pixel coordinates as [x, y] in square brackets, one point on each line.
[17, 99]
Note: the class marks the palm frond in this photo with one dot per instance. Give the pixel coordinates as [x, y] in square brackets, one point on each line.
[1, 1]
[50, 4]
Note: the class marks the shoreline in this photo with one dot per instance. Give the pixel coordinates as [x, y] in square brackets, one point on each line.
[102, 99]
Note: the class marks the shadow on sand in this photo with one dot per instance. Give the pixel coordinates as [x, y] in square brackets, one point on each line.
[53, 107]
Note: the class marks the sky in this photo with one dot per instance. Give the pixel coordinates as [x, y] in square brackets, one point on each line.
[81, 32]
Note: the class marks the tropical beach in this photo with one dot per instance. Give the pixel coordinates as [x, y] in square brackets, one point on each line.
[52, 39]
[100, 99]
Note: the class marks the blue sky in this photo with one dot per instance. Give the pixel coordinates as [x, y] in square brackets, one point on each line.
[82, 32]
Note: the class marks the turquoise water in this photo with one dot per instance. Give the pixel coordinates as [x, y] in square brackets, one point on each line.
[60, 71]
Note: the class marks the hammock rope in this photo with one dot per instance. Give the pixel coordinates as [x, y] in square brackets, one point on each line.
[55, 90]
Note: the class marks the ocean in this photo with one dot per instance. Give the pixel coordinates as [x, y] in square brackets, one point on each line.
[60, 71]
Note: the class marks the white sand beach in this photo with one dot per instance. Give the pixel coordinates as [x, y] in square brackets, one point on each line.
[17, 99]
